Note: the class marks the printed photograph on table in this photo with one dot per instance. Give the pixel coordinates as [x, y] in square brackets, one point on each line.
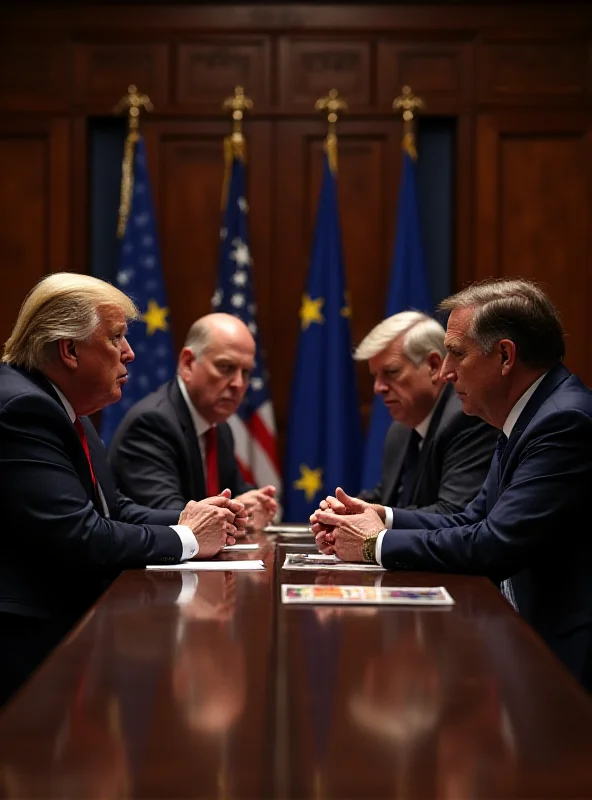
[317, 561]
[356, 595]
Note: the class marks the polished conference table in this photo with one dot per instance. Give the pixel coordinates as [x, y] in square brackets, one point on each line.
[203, 685]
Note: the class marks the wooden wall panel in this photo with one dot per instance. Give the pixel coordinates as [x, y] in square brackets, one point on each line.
[528, 71]
[310, 67]
[104, 70]
[439, 73]
[209, 69]
[34, 201]
[34, 75]
[534, 212]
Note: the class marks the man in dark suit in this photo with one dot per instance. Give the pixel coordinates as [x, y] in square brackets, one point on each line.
[66, 530]
[435, 457]
[175, 444]
[527, 529]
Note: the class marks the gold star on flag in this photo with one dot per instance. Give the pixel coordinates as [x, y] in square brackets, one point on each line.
[310, 481]
[155, 318]
[310, 311]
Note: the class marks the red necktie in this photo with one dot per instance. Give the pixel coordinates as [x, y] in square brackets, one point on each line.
[211, 440]
[82, 433]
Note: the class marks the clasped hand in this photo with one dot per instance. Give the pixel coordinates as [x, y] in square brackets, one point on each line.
[214, 521]
[342, 523]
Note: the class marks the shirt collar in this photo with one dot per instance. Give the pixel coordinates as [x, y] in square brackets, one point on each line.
[199, 423]
[512, 417]
[423, 426]
[65, 402]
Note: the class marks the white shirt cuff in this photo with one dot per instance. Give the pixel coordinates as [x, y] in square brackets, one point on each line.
[378, 549]
[188, 541]
[388, 516]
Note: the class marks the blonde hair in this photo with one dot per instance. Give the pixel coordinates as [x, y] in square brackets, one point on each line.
[64, 305]
[423, 335]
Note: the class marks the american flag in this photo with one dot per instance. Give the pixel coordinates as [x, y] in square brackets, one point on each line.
[253, 426]
[140, 276]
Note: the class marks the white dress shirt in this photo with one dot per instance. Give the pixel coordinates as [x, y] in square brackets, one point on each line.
[507, 428]
[189, 543]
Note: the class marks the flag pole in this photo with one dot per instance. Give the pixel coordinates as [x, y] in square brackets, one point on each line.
[332, 106]
[132, 103]
[409, 103]
[234, 143]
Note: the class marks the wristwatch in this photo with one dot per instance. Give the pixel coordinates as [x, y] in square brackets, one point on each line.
[369, 549]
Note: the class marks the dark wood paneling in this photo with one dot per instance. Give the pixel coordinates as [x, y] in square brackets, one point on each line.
[34, 225]
[534, 71]
[441, 74]
[534, 194]
[309, 68]
[103, 71]
[208, 70]
[33, 75]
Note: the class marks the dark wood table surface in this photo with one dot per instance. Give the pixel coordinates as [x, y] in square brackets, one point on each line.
[234, 695]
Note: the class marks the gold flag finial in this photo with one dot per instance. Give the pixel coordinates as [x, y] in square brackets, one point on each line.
[332, 105]
[132, 102]
[234, 143]
[409, 103]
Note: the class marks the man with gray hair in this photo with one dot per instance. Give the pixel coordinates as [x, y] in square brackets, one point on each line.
[528, 528]
[435, 457]
[175, 445]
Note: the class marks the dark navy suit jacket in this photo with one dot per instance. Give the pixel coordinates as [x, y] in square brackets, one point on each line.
[155, 454]
[530, 522]
[57, 549]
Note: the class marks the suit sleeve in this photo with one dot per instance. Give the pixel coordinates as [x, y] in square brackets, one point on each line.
[55, 518]
[544, 496]
[466, 462]
[146, 464]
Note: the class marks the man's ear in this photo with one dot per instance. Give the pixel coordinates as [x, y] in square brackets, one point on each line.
[434, 362]
[507, 354]
[67, 352]
[186, 359]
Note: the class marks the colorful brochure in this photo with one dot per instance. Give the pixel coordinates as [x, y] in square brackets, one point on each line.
[363, 595]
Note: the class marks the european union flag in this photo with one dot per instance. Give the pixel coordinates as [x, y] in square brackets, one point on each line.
[253, 425]
[325, 428]
[408, 290]
[140, 276]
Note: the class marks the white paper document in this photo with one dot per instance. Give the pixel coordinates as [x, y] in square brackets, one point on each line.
[211, 566]
[230, 547]
[296, 561]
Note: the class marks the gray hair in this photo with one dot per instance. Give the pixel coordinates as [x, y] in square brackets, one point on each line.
[423, 335]
[64, 305]
[514, 309]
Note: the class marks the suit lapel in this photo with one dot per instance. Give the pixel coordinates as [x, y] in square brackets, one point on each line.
[428, 442]
[545, 389]
[183, 415]
[395, 464]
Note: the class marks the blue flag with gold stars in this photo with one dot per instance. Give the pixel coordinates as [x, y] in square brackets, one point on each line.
[324, 447]
[140, 276]
[408, 290]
